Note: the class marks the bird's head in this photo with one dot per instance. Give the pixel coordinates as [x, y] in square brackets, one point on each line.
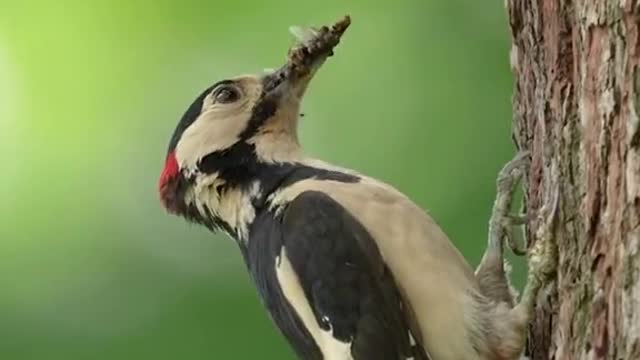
[228, 129]
[239, 124]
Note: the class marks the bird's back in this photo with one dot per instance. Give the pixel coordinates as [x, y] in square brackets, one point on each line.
[434, 279]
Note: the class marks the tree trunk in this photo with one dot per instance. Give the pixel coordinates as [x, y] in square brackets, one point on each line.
[576, 106]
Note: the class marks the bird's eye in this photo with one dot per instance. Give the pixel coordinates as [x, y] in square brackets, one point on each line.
[226, 94]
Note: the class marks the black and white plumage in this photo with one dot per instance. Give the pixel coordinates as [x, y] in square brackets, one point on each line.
[347, 266]
[340, 300]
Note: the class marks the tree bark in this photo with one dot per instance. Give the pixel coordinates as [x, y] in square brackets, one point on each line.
[576, 106]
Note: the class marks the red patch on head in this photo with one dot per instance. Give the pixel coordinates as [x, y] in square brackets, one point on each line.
[169, 174]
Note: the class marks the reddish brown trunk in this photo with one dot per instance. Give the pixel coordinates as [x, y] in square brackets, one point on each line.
[576, 105]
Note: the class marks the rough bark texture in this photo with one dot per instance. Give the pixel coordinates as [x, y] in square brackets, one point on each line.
[576, 107]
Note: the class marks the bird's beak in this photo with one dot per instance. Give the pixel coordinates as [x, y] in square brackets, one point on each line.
[305, 58]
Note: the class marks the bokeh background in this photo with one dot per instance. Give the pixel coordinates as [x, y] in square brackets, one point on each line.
[91, 267]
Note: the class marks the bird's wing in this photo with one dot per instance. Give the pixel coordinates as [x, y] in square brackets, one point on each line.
[332, 275]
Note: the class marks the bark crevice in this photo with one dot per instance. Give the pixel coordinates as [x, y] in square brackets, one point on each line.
[576, 104]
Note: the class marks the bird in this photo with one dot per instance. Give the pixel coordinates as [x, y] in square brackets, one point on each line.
[347, 266]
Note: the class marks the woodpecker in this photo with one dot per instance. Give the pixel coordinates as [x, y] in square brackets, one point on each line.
[347, 266]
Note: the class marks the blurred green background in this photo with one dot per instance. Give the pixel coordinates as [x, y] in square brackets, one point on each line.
[91, 267]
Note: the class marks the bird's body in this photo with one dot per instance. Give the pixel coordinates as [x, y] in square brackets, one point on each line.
[410, 252]
[348, 267]
[415, 250]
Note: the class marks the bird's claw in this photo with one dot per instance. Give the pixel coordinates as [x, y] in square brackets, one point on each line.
[502, 221]
[542, 255]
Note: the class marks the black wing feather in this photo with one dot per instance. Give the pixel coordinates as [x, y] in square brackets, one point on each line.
[264, 246]
[345, 279]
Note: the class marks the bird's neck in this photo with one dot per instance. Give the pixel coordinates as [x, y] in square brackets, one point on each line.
[229, 200]
[233, 207]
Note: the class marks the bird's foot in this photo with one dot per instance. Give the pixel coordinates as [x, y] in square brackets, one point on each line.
[502, 222]
[491, 273]
[542, 256]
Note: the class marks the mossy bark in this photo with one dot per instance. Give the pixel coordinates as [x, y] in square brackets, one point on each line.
[576, 106]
